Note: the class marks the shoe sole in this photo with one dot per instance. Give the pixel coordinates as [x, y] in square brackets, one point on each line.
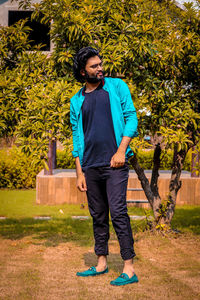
[91, 275]
[124, 283]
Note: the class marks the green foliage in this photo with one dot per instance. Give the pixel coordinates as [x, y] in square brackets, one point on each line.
[14, 41]
[17, 170]
[46, 117]
[34, 102]
[145, 159]
[31, 69]
[195, 152]
[153, 45]
[65, 159]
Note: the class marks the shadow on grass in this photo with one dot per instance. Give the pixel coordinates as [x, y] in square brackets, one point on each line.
[187, 219]
[48, 233]
[55, 231]
[58, 230]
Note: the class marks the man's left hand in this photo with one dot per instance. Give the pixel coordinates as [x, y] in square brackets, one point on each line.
[118, 160]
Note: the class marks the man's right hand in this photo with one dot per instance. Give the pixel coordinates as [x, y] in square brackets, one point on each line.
[81, 183]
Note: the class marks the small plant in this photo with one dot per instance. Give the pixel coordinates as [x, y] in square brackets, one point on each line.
[148, 219]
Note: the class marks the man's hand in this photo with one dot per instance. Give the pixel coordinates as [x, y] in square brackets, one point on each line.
[118, 159]
[81, 183]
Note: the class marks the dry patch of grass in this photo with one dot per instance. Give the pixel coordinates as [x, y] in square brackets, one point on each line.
[168, 268]
[173, 266]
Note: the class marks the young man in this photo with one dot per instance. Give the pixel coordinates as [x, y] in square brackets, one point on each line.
[103, 122]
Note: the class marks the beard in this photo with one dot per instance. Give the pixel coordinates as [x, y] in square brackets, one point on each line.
[93, 79]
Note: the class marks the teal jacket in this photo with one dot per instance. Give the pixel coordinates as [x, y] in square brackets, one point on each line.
[123, 115]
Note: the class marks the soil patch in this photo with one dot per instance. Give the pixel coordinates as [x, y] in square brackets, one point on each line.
[167, 268]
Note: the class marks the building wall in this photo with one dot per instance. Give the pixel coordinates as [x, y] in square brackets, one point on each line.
[6, 6]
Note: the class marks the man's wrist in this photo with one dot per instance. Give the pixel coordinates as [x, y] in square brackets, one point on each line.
[121, 151]
[79, 174]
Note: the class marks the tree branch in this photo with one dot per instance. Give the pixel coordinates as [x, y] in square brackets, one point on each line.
[155, 173]
[143, 179]
[175, 183]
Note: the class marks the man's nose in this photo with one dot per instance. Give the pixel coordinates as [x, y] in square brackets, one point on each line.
[99, 67]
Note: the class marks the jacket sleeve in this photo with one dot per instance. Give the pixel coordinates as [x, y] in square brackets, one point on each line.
[74, 123]
[128, 109]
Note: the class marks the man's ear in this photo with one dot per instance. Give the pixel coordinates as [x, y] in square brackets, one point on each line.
[82, 72]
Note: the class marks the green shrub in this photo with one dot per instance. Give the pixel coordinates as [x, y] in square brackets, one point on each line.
[187, 162]
[65, 159]
[17, 170]
[145, 158]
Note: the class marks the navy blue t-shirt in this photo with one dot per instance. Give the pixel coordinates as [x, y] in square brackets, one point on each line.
[99, 136]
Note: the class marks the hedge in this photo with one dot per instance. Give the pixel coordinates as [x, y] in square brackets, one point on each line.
[145, 158]
[19, 171]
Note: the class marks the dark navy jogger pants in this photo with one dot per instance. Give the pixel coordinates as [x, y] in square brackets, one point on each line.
[106, 189]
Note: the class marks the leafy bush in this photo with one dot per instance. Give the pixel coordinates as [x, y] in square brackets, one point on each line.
[145, 158]
[65, 159]
[17, 170]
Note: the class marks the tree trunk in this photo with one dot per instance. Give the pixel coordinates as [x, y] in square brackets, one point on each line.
[157, 205]
[163, 213]
[174, 185]
[150, 190]
[51, 157]
[143, 179]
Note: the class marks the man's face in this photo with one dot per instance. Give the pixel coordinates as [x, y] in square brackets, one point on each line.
[93, 70]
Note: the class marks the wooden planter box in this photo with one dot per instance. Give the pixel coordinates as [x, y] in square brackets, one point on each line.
[61, 188]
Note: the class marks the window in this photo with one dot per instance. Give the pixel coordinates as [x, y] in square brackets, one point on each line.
[39, 33]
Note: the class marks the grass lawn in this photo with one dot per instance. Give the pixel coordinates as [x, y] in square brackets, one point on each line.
[20, 209]
[39, 258]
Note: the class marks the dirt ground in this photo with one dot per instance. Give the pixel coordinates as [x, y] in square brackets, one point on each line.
[167, 268]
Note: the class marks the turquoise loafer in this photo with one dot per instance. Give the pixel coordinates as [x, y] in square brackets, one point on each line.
[124, 279]
[91, 272]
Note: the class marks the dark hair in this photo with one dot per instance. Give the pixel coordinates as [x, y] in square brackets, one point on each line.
[80, 61]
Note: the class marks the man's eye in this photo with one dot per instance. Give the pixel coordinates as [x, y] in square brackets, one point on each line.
[95, 66]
